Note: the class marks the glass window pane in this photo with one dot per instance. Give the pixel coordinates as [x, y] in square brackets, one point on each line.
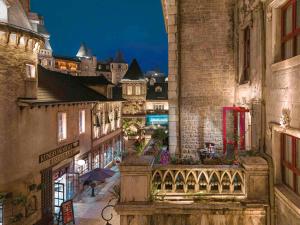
[288, 20]
[289, 178]
[298, 13]
[288, 149]
[288, 49]
[298, 153]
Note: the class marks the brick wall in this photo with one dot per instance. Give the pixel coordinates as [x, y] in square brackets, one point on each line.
[206, 70]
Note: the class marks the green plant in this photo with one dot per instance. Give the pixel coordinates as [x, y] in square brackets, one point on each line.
[16, 218]
[160, 135]
[139, 147]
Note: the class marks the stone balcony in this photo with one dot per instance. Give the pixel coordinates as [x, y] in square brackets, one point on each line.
[235, 192]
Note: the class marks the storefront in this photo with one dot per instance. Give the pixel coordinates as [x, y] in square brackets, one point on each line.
[66, 185]
[60, 181]
[105, 154]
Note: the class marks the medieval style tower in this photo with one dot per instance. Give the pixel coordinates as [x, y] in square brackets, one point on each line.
[118, 68]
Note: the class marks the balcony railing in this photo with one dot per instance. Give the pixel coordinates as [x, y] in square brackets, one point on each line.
[184, 182]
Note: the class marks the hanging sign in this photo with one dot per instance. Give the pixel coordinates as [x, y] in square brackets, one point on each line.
[67, 212]
[61, 153]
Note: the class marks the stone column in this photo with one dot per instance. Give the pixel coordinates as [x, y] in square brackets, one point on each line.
[136, 173]
[257, 178]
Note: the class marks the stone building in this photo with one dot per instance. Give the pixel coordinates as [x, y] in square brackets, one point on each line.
[53, 126]
[233, 67]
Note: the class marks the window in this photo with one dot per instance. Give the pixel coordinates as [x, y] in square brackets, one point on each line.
[129, 90]
[158, 107]
[81, 121]
[62, 126]
[246, 72]
[291, 162]
[1, 213]
[30, 71]
[97, 121]
[138, 90]
[291, 29]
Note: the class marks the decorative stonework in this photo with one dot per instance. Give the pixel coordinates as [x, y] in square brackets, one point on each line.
[20, 38]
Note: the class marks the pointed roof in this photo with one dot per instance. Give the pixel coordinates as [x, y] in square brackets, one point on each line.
[84, 51]
[119, 58]
[134, 72]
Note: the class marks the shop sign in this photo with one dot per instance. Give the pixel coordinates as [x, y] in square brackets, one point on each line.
[67, 211]
[59, 154]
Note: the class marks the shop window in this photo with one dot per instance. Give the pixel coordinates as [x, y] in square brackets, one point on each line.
[291, 29]
[138, 90]
[81, 121]
[246, 72]
[30, 71]
[62, 126]
[291, 162]
[129, 90]
[96, 160]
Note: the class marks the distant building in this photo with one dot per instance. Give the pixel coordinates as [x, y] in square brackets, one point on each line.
[146, 99]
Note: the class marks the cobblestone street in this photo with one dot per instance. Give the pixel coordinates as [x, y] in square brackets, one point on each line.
[88, 209]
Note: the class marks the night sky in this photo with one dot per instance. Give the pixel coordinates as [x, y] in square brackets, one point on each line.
[136, 27]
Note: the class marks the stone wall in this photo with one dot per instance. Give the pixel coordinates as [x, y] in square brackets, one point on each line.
[206, 70]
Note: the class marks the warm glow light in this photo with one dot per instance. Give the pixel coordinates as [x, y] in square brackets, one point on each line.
[81, 162]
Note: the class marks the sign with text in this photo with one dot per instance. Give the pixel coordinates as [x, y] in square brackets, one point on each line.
[67, 212]
[60, 153]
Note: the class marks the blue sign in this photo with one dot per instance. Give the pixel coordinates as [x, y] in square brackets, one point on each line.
[157, 120]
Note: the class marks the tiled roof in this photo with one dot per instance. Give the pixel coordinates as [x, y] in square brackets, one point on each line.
[58, 87]
[154, 94]
[134, 72]
[93, 80]
[84, 52]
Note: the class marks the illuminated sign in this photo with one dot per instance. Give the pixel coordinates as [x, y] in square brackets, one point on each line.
[157, 120]
[67, 212]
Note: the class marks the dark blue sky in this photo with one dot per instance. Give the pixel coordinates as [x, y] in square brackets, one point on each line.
[136, 27]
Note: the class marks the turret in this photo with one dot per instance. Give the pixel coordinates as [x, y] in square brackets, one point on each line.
[118, 68]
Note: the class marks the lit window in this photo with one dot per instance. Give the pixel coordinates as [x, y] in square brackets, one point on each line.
[291, 162]
[3, 18]
[129, 90]
[81, 121]
[158, 89]
[62, 126]
[138, 90]
[159, 107]
[290, 30]
[30, 71]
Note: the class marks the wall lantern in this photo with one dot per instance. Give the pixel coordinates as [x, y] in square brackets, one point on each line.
[285, 118]
[81, 162]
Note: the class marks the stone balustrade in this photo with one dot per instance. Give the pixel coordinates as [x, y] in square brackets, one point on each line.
[141, 180]
[176, 182]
